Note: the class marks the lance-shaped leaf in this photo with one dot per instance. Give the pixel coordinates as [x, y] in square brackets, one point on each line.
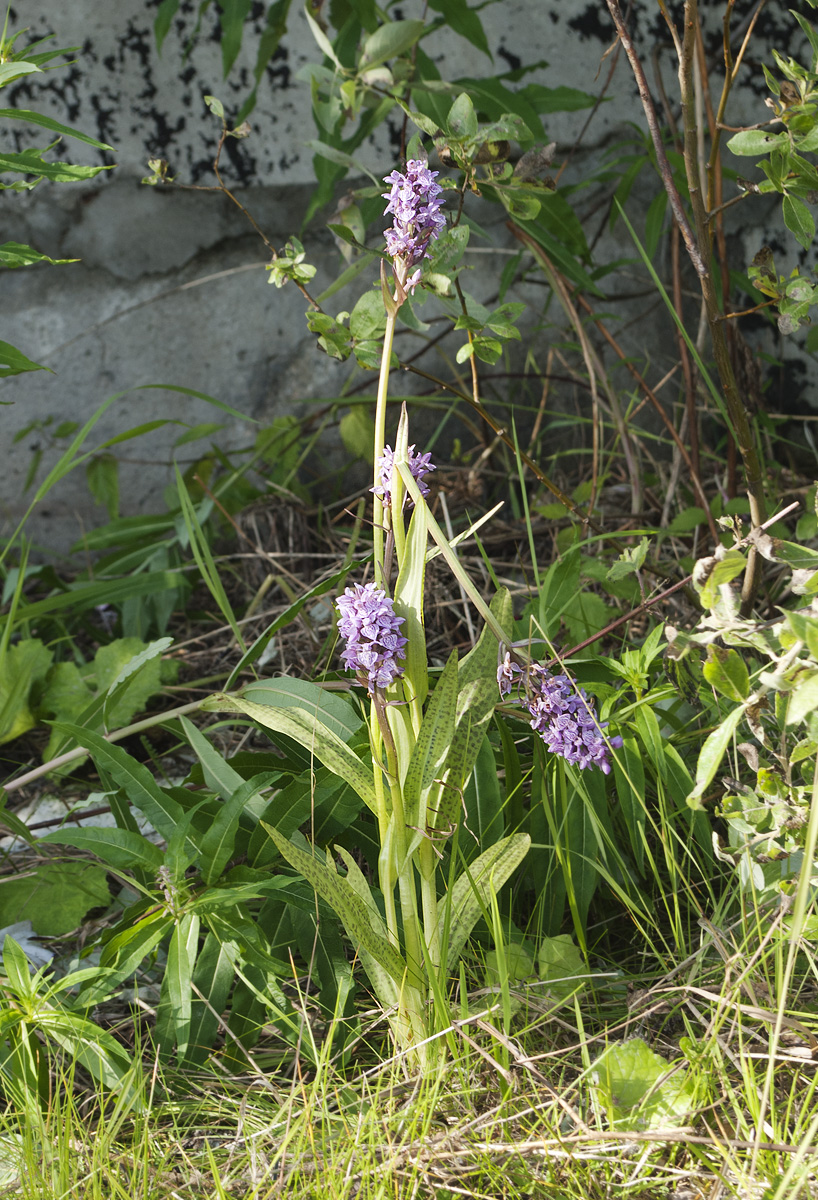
[134, 778]
[476, 699]
[711, 754]
[431, 748]
[211, 982]
[341, 896]
[382, 982]
[96, 1049]
[334, 711]
[470, 894]
[120, 848]
[409, 603]
[308, 730]
[175, 1001]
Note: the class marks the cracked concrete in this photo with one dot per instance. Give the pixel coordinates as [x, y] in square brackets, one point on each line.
[171, 286]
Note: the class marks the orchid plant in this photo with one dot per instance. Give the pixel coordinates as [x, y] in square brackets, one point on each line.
[411, 929]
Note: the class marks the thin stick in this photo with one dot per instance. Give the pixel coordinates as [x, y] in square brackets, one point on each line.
[116, 736]
[656, 137]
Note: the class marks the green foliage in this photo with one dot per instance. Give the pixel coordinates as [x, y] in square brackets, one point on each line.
[640, 1090]
[440, 819]
[33, 167]
[789, 172]
[36, 1023]
[54, 897]
[107, 692]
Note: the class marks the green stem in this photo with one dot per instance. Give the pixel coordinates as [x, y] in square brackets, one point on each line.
[386, 857]
[412, 941]
[378, 511]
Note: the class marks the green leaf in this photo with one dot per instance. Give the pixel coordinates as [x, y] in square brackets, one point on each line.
[518, 965]
[389, 41]
[629, 774]
[215, 105]
[431, 747]
[687, 519]
[96, 1050]
[342, 159]
[630, 561]
[119, 848]
[803, 699]
[334, 712]
[367, 13]
[755, 142]
[135, 779]
[84, 596]
[654, 222]
[102, 474]
[128, 673]
[200, 546]
[196, 432]
[639, 1090]
[216, 845]
[356, 434]
[342, 898]
[16, 968]
[476, 700]
[711, 754]
[324, 44]
[487, 349]
[561, 966]
[164, 15]
[462, 119]
[558, 592]
[408, 598]
[218, 774]
[726, 671]
[22, 665]
[799, 220]
[309, 731]
[35, 118]
[557, 99]
[368, 318]
[9, 71]
[12, 823]
[176, 997]
[31, 162]
[470, 894]
[712, 573]
[213, 977]
[128, 947]
[805, 628]
[382, 982]
[464, 21]
[14, 362]
[16, 254]
[55, 897]
[232, 16]
[483, 802]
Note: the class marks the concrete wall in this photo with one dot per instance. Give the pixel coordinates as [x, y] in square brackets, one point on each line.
[171, 286]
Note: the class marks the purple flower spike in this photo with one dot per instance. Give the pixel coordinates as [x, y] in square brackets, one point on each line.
[369, 626]
[415, 204]
[419, 465]
[562, 714]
